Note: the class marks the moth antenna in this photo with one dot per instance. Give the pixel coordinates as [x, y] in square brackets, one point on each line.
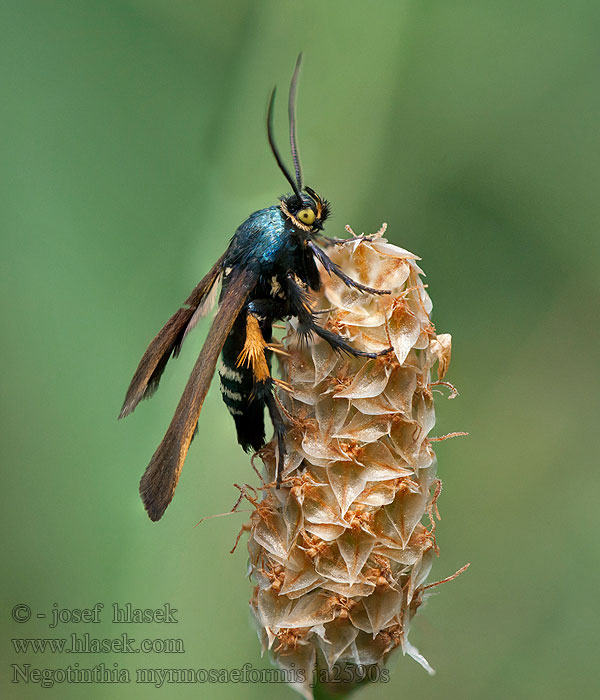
[292, 117]
[274, 150]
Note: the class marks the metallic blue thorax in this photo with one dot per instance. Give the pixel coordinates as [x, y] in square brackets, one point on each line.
[264, 240]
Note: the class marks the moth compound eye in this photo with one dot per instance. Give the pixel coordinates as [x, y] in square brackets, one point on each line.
[306, 216]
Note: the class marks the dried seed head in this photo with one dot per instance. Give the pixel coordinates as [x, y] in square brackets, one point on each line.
[339, 553]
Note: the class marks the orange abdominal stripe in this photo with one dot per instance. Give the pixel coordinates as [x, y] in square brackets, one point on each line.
[253, 352]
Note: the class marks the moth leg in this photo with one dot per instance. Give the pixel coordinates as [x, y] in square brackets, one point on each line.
[364, 237]
[280, 429]
[253, 352]
[327, 240]
[307, 324]
[334, 269]
[256, 355]
[260, 314]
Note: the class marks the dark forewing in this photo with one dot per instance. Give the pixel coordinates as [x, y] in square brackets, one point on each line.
[168, 342]
[160, 478]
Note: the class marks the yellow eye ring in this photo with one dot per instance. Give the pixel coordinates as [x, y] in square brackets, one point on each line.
[306, 216]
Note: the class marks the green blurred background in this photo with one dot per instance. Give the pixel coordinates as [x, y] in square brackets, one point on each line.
[133, 144]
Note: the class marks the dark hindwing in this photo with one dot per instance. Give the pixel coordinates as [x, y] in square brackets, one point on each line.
[160, 478]
[168, 341]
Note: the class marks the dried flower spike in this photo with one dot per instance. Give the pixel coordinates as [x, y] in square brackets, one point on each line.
[340, 554]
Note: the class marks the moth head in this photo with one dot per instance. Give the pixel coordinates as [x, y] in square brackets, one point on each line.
[307, 212]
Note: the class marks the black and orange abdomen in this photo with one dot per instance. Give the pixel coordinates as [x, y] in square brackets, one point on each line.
[237, 389]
